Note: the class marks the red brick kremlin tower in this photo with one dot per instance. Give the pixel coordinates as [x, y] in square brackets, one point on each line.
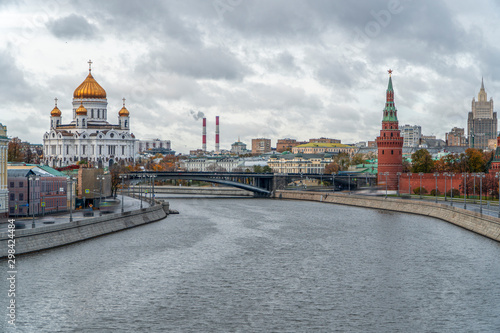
[390, 143]
[495, 164]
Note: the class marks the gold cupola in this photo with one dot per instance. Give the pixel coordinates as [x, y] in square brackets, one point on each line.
[89, 88]
[123, 112]
[55, 112]
[81, 111]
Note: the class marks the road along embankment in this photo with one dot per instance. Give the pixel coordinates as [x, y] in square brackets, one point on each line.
[31, 240]
[484, 225]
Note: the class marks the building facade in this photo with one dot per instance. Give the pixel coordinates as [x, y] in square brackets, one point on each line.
[286, 144]
[154, 144]
[89, 136]
[456, 137]
[411, 135]
[322, 148]
[239, 148]
[4, 191]
[389, 143]
[324, 140]
[203, 164]
[482, 121]
[299, 163]
[261, 146]
[35, 190]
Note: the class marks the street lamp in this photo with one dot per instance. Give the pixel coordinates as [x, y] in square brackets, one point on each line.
[399, 175]
[333, 181]
[436, 174]
[349, 180]
[122, 177]
[464, 176]
[474, 187]
[385, 174]
[420, 174]
[445, 174]
[33, 177]
[409, 183]
[100, 178]
[480, 175]
[451, 178]
[70, 181]
[153, 190]
[497, 175]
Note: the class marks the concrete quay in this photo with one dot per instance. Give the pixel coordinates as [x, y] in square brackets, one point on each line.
[484, 225]
[31, 240]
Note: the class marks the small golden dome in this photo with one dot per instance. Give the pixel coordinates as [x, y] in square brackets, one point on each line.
[81, 111]
[55, 112]
[89, 88]
[123, 112]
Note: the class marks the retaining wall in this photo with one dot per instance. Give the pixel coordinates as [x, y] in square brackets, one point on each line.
[485, 225]
[229, 191]
[30, 240]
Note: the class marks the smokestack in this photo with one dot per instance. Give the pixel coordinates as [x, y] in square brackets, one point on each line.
[217, 133]
[204, 135]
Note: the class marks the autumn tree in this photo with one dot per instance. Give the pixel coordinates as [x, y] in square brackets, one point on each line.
[358, 159]
[15, 151]
[332, 168]
[475, 160]
[422, 161]
[116, 170]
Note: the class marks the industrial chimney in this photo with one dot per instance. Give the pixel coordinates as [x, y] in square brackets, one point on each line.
[217, 133]
[204, 135]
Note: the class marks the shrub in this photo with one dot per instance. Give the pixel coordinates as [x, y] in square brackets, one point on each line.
[456, 193]
[433, 192]
[417, 190]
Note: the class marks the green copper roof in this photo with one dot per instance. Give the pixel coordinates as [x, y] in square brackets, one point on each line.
[390, 111]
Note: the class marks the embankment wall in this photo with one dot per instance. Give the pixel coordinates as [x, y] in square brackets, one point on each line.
[31, 240]
[485, 225]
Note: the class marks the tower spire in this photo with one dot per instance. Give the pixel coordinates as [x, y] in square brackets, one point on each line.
[90, 65]
[482, 83]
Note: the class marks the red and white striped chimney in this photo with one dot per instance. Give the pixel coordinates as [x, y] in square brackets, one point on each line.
[217, 133]
[204, 135]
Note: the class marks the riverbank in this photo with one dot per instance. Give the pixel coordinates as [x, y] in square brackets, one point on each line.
[484, 225]
[31, 240]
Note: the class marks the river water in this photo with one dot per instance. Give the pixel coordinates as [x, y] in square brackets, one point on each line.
[257, 265]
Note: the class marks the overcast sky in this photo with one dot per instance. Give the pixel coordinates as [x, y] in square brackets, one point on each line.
[274, 69]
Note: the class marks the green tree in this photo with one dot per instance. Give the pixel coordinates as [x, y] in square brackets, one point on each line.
[267, 169]
[257, 169]
[422, 161]
[358, 159]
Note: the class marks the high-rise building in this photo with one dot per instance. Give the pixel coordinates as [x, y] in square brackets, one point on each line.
[411, 135]
[482, 121]
[390, 143]
[456, 137]
[261, 146]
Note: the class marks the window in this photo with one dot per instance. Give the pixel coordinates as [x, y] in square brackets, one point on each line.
[12, 197]
[383, 152]
[11, 184]
[11, 210]
[21, 184]
[21, 196]
[92, 113]
[392, 152]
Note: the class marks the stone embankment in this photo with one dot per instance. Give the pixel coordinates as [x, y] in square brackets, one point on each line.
[485, 225]
[31, 240]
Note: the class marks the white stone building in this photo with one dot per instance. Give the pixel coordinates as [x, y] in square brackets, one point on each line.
[411, 135]
[89, 136]
[211, 164]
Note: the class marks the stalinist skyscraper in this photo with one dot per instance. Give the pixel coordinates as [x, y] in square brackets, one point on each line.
[482, 122]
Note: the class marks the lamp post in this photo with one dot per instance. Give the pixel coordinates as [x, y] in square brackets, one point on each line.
[153, 189]
[474, 187]
[420, 174]
[385, 174]
[122, 177]
[451, 182]
[497, 175]
[349, 180]
[333, 181]
[141, 177]
[464, 176]
[409, 183]
[100, 178]
[436, 174]
[480, 175]
[70, 182]
[445, 174]
[33, 178]
[399, 175]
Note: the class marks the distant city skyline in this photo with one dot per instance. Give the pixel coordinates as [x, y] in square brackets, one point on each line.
[274, 69]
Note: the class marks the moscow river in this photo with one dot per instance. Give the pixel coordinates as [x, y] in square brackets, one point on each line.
[260, 265]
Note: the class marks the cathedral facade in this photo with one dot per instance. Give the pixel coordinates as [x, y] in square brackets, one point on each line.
[89, 136]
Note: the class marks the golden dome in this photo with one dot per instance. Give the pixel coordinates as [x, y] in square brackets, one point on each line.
[123, 112]
[89, 88]
[81, 111]
[55, 112]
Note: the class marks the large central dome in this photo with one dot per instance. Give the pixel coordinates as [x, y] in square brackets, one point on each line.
[89, 89]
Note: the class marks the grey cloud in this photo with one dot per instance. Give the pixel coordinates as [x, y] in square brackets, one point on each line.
[14, 88]
[72, 27]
